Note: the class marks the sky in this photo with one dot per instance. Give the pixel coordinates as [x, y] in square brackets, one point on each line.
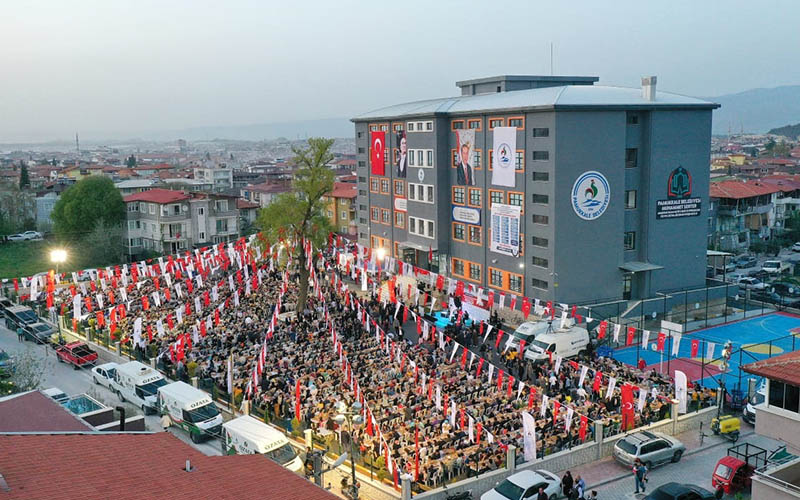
[118, 68]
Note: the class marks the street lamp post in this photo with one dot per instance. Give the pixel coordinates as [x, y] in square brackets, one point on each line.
[353, 418]
[58, 256]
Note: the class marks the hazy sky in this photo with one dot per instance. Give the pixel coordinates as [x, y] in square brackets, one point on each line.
[113, 68]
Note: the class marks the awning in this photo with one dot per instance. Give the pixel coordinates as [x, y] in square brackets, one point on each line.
[635, 266]
[415, 246]
[717, 253]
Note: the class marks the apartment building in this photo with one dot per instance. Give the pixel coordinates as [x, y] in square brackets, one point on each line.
[341, 207]
[263, 194]
[219, 176]
[599, 191]
[167, 221]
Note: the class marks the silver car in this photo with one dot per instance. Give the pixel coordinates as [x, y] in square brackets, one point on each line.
[652, 448]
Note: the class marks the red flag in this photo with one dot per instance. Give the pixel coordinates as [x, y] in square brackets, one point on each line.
[216, 317]
[627, 407]
[440, 282]
[601, 331]
[101, 320]
[16, 286]
[460, 289]
[695, 347]
[499, 336]
[500, 379]
[480, 365]
[526, 307]
[556, 409]
[510, 386]
[531, 395]
[149, 333]
[203, 331]
[661, 339]
[490, 299]
[629, 339]
[74, 325]
[378, 143]
[430, 254]
[598, 379]
[49, 300]
[513, 302]
[463, 358]
[462, 418]
[478, 429]
[170, 324]
[574, 310]
[582, 428]
[145, 303]
[521, 347]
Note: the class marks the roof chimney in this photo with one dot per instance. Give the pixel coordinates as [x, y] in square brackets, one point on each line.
[649, 88]
[189, 467]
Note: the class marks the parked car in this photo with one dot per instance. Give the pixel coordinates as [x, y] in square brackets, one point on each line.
[32, 235]
[79, 354]
[15, 237]
[678, 491]
[5, 303]
[796, 247]
[751, 283]
[786, 289]
[746, 261]
[38, 332]
[525, 485]
[774, 267]
[652, 448]
[776, 298]
[104, 374]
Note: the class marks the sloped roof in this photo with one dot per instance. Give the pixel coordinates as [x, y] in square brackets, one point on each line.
[344, 190]
[158, 196]
[269, 187]
[35, 412]
[244, 204]
[738, 189]
[784, 368]
[547, 97]
[128, 466]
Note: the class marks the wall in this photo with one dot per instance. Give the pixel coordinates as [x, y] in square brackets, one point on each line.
[779, 424]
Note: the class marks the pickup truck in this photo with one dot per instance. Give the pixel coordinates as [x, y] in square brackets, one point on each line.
[775, 267]
[76, 353]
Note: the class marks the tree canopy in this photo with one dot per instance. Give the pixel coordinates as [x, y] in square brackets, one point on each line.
[300, 214]
[86, 203]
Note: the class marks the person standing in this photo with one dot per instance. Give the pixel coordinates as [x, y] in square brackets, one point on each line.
[20, 334]
[566, 483]
[640, 475]
[542, 495]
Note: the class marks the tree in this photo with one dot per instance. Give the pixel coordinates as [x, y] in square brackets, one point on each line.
[24, 179]
[300, 214]
[105, 244]
[131, 161]
[28, 372]
[90, 200]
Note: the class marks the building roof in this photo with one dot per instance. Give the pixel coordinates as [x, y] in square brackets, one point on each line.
[344, 190]
[784, 368]
[127, 466]
[244, 204]
[739, 189]
[35, 412]
[134, 183]
[545, 98]
[269, 187]
[158, 196]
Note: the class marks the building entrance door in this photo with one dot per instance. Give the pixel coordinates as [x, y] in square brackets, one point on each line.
[626, 286]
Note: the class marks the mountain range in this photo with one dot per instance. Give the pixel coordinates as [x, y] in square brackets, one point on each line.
[756, 110]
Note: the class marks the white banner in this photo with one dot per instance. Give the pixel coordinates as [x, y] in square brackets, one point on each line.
[529, 436]
[504, 161]
[680, 391]
[505, 229]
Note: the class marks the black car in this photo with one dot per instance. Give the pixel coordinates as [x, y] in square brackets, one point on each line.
[38, 332]
[677, 491]
[5, 303]
[776, 298]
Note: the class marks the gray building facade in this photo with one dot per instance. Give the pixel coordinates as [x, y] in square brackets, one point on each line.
[649, 149]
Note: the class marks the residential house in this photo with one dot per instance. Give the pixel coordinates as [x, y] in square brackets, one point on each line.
[740, 212]
[166, 221]
[263, 194]
[341, 207]
[248, 212]
[131, 186]
[220, 176]
[46, 199]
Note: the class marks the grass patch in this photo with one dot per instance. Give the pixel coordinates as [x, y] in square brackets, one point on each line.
[26, 258]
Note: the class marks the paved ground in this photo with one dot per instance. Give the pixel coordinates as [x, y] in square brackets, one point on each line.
[615, 481]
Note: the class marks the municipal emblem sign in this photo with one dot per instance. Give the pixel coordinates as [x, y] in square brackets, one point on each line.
[679, 184]
[504, 156]
[590, 195]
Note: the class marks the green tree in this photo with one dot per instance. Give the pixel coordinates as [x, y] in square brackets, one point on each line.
[131, 161]
[105, 244]
[24, 179]
[84, 204]
[300, 214]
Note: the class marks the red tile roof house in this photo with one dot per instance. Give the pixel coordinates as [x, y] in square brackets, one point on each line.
[138, 466]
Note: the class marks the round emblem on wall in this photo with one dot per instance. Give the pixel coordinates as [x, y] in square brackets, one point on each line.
[421, 175]
[503, 157]
[590, 195]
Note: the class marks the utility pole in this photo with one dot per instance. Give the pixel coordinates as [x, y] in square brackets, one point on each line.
[77, 144]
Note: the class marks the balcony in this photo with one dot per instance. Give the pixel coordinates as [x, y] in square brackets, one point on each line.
[729, 211]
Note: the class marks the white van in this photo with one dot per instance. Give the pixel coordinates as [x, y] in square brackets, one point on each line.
[527, 331]
[566, 343]
[190, 409]
[246, 436]
[137, 383]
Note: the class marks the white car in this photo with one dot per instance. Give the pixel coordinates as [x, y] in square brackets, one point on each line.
[796, 247]
[104, 374]
[15, 237]
[32, 235]
[525, 485]
[751, 284]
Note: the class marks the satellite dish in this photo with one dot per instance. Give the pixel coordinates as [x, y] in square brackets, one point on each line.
[339, 461]
[185, 208]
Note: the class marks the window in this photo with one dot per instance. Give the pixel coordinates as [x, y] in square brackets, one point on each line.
[385, 127]
[458, 267]
[632, 119]
[385, 186]
[474, 124]
[411, 126]
[476, 159]
[630, 157]
[474, 271]
[176, 209]
[152, 209]
[343, 216]
[412, 225]
[541, 219]
[517, 121]
[475, 197]
[430, 229]
[541, 132]
[516, 199]
[385, 216]
[539, 242]
[457, 124]
[420, 155]
[540, 199]
[362, 220]
[400, 188]
[515, 282]
[362, 192]
[495, 277]
[411, 157]
[496, 196]
[373, 185]
[458, 231]
[540, 284]
[429, 191]
[422, 193]
[359, 134]
[630, 240]
[519, 160]
[495, 122]
[454, 158]
[362, 164]
[222, 226]
[458, 195]
[131, 225]
[374, 214]
[776, 390]
[541, 155]
[630, 199]
[430, 157]
[421, 227]
[475, 235]
[398, 127]
[362, 179]
[539, 262]
[541, 176]
[428, 126]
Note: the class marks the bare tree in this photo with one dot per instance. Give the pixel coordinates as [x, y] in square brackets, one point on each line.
[29, 370]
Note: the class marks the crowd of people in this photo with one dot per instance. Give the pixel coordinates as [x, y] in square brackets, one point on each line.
[410, 387]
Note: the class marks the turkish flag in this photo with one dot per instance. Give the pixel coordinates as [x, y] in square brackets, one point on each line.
[378, 144]
[598, 379]
[601, 332]
[627, 407]
[661, 339]
[556, 409]
[526, 307]
[582, 428]
[631, 332]
[695, 347]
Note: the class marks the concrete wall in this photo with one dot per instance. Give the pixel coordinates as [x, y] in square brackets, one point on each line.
[131, 424]
[779, 424]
